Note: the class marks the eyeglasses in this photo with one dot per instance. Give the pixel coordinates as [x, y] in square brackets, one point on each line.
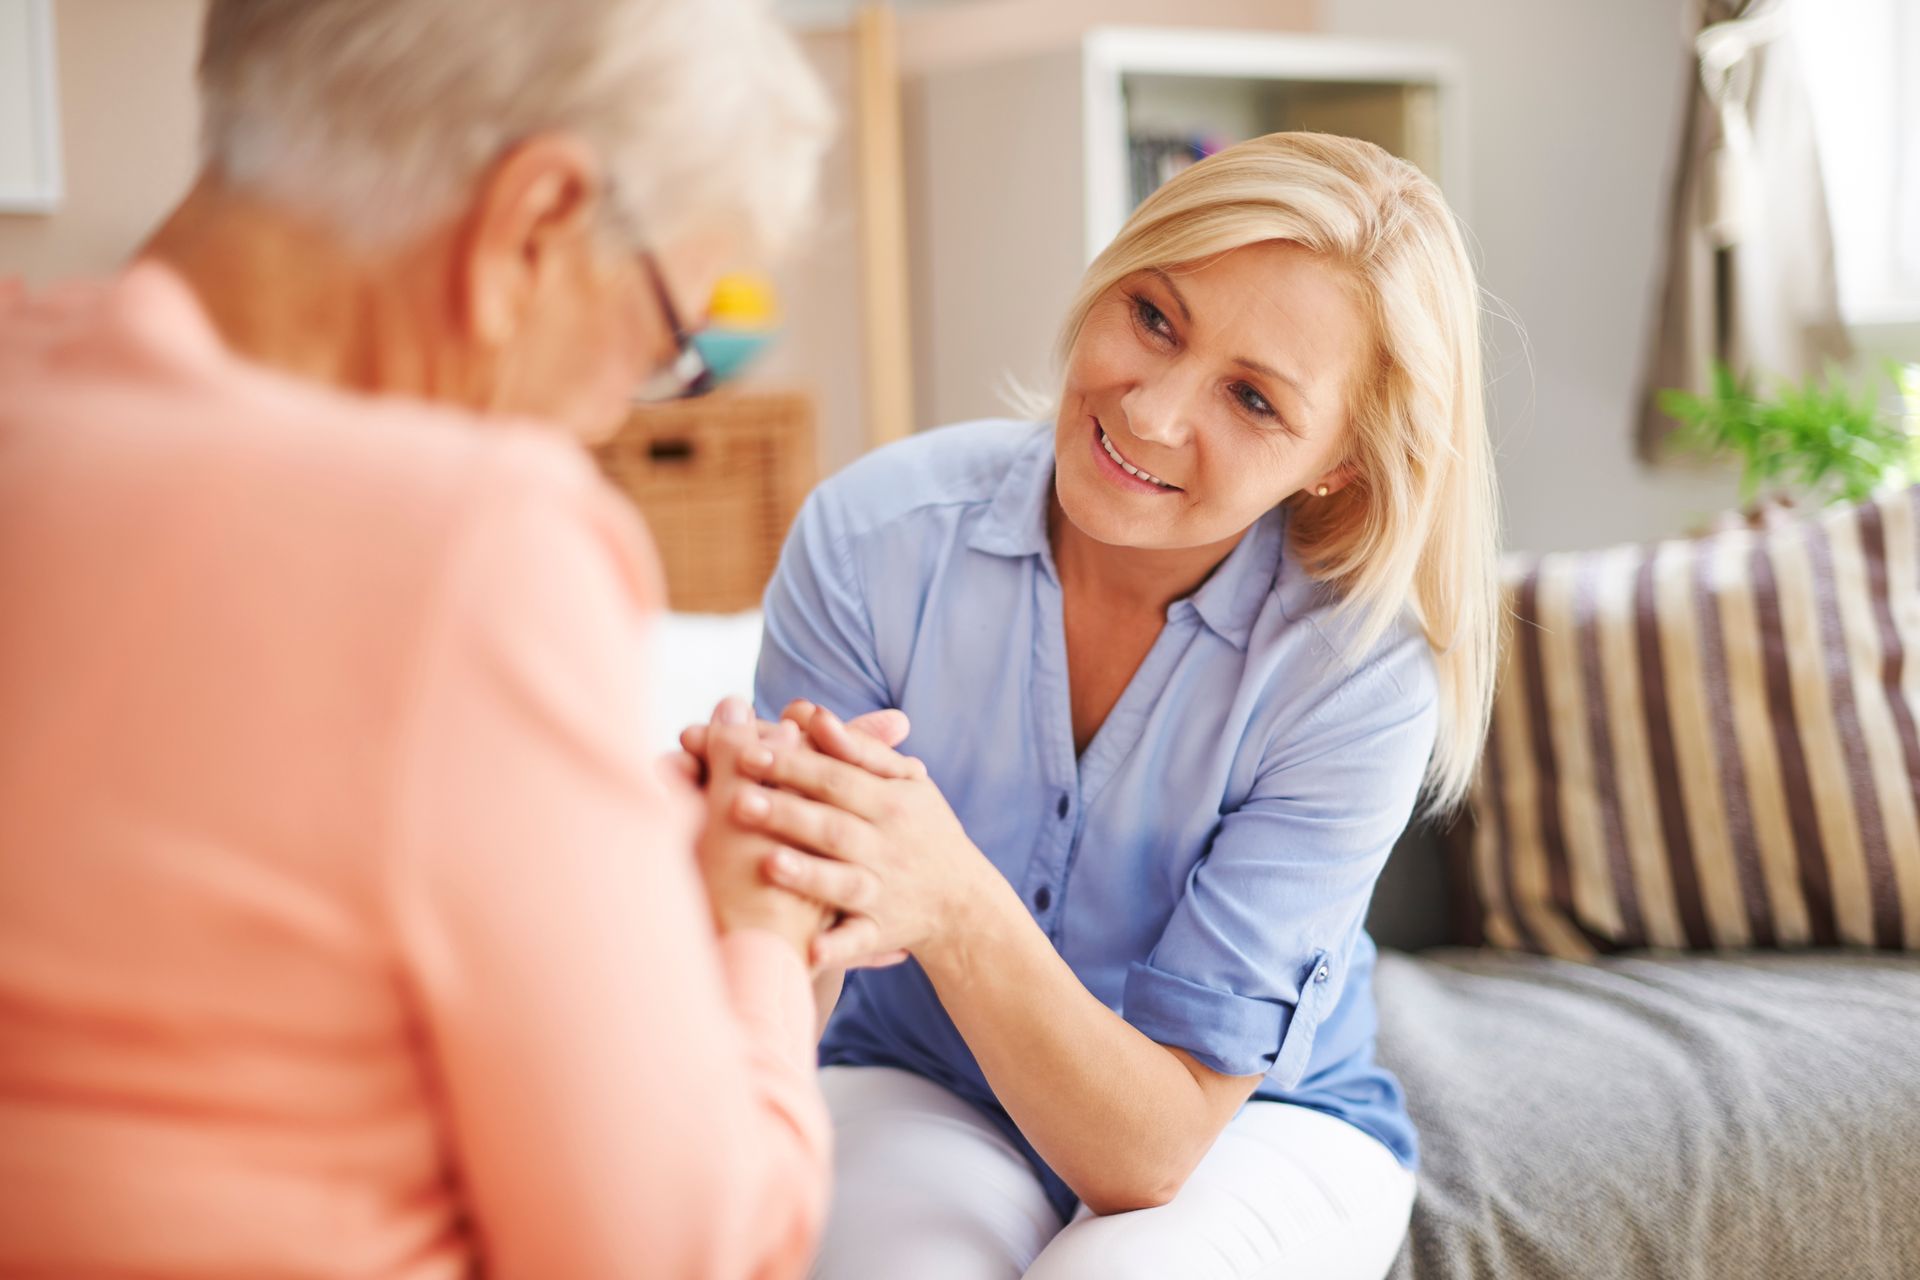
[690, 374]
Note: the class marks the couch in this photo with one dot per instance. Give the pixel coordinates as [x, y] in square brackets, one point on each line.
[1648, 1116]
[1700, 805]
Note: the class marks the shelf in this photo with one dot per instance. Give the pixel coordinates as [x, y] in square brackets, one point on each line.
[1230, 86]
[1166, 114]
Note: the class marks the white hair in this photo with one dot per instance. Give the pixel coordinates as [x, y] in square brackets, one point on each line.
[378, 116]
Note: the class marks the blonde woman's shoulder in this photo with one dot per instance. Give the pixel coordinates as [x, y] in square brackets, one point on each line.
[959, 465]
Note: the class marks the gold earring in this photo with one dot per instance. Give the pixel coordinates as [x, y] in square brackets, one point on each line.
[1322, 491]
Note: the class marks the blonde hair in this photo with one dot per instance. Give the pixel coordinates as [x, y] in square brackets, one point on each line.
[1418, 526]
[378, 116]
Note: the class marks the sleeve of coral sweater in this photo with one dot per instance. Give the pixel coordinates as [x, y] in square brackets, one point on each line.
[625, 1095]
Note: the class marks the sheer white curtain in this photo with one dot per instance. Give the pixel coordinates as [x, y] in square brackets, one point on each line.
[1862, 61]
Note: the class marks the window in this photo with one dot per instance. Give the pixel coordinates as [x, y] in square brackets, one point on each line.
[1859, 57]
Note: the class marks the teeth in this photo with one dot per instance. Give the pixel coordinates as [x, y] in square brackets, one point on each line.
[1128, 467]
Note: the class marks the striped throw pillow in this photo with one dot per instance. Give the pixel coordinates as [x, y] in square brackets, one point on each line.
[1709, 744]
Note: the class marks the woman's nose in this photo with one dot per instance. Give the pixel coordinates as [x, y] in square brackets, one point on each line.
[1162, 411]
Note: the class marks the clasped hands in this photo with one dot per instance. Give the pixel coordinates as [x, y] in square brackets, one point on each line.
[872, 861]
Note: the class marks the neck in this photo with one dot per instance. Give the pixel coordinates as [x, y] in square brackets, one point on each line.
[1131, 578]
[294, 296]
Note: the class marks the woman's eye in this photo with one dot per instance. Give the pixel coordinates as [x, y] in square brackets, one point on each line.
[1252, 401]
[1151, 317]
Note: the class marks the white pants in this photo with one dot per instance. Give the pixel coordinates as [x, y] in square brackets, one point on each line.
[925, 1188]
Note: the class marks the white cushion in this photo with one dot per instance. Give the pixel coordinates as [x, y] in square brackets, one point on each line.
[698, 659]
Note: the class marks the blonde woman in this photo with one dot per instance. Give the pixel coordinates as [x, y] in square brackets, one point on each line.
[1179, 665]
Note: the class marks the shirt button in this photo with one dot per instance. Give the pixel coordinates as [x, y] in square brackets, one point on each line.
[1320, 974]
[1043, 897]
[1063, 806]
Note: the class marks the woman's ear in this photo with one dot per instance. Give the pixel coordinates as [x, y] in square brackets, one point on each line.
[535, 212]
[1333, 481]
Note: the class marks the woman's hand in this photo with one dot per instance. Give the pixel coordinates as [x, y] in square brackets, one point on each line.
[890, 852]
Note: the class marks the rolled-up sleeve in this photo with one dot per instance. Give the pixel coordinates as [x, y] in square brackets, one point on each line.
[818, 643]
[1256, 952]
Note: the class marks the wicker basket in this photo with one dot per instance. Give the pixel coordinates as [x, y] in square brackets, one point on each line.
[719, 480]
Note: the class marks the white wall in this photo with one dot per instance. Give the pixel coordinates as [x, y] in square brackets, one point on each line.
[1574, 117]
[128, 122]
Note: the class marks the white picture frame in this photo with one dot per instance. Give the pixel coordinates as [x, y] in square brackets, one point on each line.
[31, 179]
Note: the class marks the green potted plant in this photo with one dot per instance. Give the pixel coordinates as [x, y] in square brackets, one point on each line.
[1815, 442]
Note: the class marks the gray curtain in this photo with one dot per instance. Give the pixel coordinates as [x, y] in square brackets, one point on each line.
[1749, 273]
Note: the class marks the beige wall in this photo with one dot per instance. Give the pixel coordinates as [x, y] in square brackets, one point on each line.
[127, 125]
[942, 35]
[820, 345]
[1573, 120]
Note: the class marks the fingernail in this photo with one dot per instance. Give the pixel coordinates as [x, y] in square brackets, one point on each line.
[785, 865]
[826, 717]
[753, 804]
[756, 758]
[733, 711]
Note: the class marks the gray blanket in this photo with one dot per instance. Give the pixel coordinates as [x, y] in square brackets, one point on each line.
[1659, 1119]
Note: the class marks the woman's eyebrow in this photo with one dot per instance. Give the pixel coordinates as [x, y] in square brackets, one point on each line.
[1267, 370]
[1179, 299]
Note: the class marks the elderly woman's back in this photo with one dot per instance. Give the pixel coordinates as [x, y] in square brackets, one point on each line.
[346, 924]
[287, 979]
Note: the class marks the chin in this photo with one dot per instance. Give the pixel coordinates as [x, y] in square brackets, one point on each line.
[600, 427]
[595, 414]
[1096, 515]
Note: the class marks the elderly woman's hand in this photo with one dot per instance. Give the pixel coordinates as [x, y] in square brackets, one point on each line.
[731, 857]
[867, 741]
[888, 727]
[879, 841]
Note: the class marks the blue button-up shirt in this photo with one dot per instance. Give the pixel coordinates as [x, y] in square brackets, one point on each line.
[1205, 866]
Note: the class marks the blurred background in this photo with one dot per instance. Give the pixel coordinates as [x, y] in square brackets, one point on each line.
[1648, 184]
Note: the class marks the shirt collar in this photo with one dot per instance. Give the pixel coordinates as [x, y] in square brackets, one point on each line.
[1015, 523]
[1228, 602]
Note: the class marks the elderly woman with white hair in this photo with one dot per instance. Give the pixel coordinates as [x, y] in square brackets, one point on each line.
[347, 926]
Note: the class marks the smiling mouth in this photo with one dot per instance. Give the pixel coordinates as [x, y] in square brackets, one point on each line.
[1119, 459]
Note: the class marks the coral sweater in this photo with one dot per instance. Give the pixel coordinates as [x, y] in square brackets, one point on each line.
[346, 926]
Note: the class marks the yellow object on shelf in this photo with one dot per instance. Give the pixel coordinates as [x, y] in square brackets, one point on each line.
[743, 317]
[743, 301]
